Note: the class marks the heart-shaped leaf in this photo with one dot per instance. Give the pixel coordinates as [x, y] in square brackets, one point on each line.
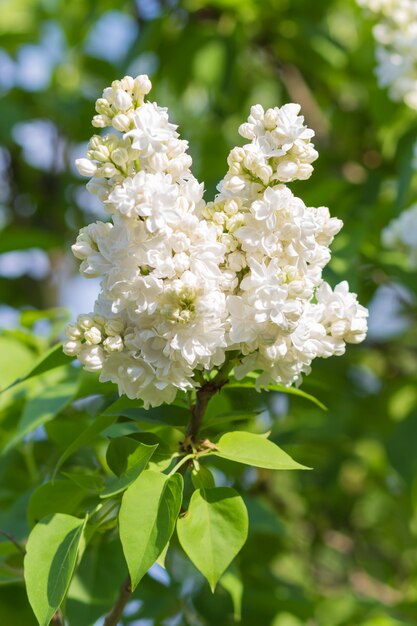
[213, 530]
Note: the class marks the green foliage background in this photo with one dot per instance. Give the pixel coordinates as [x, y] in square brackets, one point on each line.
[331, 547]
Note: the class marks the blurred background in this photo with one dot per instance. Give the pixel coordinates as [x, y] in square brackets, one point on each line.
[332, 547]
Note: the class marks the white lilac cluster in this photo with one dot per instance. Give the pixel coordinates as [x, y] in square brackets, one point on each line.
[401, 234]
[396, 52]
[187, 284]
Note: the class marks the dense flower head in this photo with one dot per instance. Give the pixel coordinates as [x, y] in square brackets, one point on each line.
[401, 235]
[396, 52]
[185, 284]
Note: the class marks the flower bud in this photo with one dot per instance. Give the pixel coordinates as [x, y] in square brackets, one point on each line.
[271, 119]
[158, 161]
[85, 321]
[120, 156]
[286, 171]
[95, 142]
[142, 85]
[103, 107]
[127, 83]
[86, 167]
[121, 122]
[122, 101]
[93, 335]
[101, 153]
[107, 171]
[113, 344]
[101, 121]
[235, 184]
[73, 332]
[245, 130]
[72, 347]
[92, 357]
[257, 112]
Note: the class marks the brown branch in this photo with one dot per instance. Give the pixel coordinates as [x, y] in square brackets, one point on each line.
[57, 620]
[116, 612]
[204, 395]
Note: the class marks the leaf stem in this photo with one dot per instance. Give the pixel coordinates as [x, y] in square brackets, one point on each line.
[184, 459]
[116, 612]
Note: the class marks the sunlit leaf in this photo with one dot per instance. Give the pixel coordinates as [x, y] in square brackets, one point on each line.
[254, 450]
[51, 554]
[147, 517]
[213, 530]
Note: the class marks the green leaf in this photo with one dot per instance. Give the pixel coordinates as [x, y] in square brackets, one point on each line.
[15, 359]
[162, 557]
[292, 391]
[86, 479]
[51, 555]
[167, 415]
[202, 478]
[255, 450]
[52, 359]
[55, 394]
[135, 464]
[118, 452]
[147, 516]
[59, 496]
[213, 530]
[230, 416]
[85, 438]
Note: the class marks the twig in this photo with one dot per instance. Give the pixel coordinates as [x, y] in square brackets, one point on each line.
[13, 541]
[204, 395]
[112, 618]
[57, 620]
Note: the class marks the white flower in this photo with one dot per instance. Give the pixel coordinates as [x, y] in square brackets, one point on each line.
[146, 195]
[184, 283]
[86, 248]
[341, 314]
[152, 129]
[136, 379]
[396, 51]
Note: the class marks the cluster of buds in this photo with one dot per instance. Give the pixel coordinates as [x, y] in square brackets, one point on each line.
[91, 338]
[119, 102]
